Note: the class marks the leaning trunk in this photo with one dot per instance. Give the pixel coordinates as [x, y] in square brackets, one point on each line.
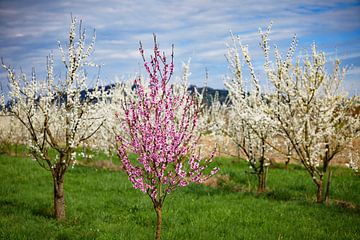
[158, 209]
[59, 199]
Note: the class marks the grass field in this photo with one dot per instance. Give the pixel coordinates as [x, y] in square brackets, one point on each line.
[101, 204]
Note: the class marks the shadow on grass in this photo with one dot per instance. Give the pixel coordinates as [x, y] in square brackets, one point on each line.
[8, 207]
[224, 186]
[46, 212]
[279, 195]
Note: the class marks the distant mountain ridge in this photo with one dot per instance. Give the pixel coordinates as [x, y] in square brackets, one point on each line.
[209, 94]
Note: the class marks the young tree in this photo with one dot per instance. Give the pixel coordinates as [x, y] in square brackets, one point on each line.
[163, 139]
[250, 126]
[57, 113]
[310, 109]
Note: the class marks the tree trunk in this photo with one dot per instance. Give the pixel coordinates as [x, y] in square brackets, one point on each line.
[319, 193]
[158, 209]
[261, 181]
[287, 161]
[327, 192]
[59, 199]
[16, 150]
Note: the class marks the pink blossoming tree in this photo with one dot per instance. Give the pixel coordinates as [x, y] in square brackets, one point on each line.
[163, 139]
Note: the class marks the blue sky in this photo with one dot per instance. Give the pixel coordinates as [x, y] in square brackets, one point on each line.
[199, 30]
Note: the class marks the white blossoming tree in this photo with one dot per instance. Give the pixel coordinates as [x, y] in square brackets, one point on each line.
[57, 113]
[310, 109]
[104, 138]
[12, 134]
[354, 160]
[249, 126]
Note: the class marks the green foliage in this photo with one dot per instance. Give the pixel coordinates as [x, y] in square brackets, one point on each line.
[101, 204]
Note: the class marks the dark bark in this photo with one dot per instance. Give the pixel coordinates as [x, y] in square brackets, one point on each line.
[319, 193]
[261, 181]
[328, 184]
[287, 161]
[59, 199]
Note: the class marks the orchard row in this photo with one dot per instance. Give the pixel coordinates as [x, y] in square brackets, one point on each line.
[303, 115]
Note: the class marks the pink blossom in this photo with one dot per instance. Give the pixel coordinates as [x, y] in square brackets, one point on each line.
[159, 127]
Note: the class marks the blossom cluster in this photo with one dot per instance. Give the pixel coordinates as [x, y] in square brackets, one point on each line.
[160, 129]
[249, 126]
[58, 113]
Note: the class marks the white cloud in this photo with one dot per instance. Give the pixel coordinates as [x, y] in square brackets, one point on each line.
[109, 54]
[354, 71]
[198, 28]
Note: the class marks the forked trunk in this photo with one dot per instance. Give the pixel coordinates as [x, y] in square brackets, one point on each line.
[59, 199]
[158, 209]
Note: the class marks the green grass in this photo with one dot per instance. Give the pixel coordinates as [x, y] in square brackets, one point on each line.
[102, 204]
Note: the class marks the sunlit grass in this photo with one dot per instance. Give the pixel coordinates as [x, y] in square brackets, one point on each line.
[102, 204]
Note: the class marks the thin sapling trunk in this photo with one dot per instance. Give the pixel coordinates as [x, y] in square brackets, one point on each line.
[158, 210]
